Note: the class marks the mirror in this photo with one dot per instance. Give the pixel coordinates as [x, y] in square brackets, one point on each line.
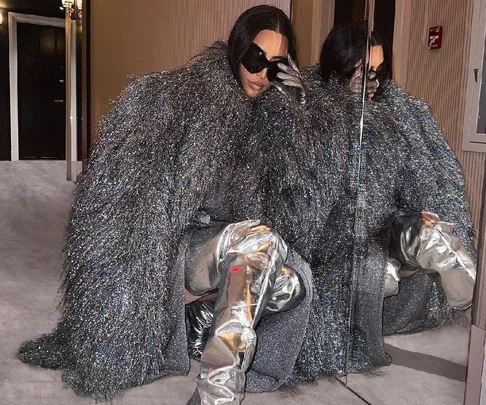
[426, 339]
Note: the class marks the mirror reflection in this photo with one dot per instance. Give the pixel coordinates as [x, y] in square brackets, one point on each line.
[430, 344]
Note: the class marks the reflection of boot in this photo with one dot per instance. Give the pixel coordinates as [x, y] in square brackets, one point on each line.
[431, 244]
[250, 257]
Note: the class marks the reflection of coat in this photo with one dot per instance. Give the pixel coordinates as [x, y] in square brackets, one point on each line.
[175, 147]
[406, 167]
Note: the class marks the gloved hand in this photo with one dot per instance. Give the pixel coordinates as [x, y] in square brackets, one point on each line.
[290, 79]
[356, 82]
[392, 278]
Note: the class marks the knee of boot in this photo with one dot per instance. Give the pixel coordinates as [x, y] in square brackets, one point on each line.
[237, 336]
[251, 237]
[288, 292]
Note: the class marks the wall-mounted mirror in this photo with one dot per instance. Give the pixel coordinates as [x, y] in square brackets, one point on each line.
[430, 42]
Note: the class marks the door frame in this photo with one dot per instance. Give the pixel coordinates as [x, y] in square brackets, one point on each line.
[13, 19]
[403, 12]
[472, 139]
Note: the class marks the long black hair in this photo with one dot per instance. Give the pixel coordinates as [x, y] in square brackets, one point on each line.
[247, 27]
[345, 46]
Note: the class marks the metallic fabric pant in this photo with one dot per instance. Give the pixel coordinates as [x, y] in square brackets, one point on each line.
[244, 264]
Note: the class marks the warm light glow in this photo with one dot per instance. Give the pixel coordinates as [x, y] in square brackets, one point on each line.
[1, 18]
[72, 3]
[73, 8]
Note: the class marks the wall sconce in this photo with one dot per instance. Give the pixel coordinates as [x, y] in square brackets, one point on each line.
[73, 8]
[1, 17]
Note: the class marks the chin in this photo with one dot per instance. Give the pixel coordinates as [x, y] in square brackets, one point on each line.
[250, 93]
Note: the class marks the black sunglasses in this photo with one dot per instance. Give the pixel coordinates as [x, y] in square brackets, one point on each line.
[254, 60]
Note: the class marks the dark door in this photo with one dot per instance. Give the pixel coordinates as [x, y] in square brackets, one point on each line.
[353, 10]
[385, 20]
[41, 92]
[348, 10]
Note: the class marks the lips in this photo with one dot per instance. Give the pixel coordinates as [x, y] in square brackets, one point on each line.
[256, 86]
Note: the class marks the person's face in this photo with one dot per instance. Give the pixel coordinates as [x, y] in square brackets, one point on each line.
[376, 60]
[275, 46]
[376, 57]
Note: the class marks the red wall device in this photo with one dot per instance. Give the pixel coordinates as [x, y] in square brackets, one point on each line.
[435, 37]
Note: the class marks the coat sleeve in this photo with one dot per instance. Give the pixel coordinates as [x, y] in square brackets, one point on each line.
[431, 178]
[123, 303]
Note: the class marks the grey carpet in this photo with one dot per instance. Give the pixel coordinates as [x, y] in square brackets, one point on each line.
[34, 205]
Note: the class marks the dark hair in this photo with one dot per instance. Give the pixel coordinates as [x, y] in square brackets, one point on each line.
[247, 27]
[345, 46]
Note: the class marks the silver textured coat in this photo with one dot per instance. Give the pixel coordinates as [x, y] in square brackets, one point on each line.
[406, 167]
[178, 150]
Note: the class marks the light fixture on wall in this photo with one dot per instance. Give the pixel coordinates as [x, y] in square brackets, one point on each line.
[1, 17]
[73, 8]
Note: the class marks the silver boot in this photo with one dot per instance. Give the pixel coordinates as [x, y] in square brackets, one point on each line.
[428, 243]
[248, 258]
[392, 278]
[199, 318]
[287, 294]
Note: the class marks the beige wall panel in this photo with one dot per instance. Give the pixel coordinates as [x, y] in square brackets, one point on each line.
[439, 76]
[312, 20]
[137, 37]
[302, 19]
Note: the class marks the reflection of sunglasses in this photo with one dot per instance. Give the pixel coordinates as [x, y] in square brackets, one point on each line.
[379, 72]
[254, 60]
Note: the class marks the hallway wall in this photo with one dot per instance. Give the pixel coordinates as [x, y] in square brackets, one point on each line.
[130, 39]
[439, 76]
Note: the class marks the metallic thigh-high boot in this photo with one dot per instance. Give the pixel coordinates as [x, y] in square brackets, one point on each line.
[250, 256]
[199, 318]
[287, 294]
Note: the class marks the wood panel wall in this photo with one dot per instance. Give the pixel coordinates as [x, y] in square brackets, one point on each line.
[137, 37]
[439, 76]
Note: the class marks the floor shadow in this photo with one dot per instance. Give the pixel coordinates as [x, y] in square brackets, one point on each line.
[427, 363]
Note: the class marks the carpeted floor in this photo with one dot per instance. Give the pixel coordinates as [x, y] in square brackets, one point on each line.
[35, 198]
